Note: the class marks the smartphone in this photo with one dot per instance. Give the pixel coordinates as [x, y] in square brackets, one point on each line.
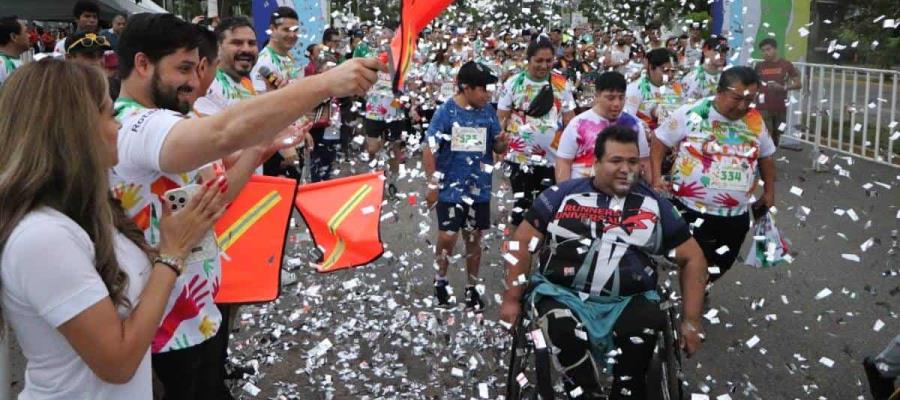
[177, 199]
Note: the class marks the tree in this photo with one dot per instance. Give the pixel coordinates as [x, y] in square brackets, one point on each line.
[864, 26]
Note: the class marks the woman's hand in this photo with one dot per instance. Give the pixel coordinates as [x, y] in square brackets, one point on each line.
[182, 230]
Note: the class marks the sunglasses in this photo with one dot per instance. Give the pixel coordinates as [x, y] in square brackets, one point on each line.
[89, 40]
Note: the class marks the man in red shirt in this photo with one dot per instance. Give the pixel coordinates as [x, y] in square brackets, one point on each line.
[778, 76]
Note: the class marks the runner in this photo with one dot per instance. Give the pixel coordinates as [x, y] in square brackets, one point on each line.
[595, 289]
[160, 149]
[575, 156]
[13, 42]
[718, 142]
[534, 107]
[654, 94]
[463, 136]
[703, 80]
[385, 121]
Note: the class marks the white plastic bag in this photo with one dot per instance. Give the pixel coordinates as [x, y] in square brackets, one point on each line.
[769, 247]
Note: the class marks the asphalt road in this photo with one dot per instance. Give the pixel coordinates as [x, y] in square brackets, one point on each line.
[772, 338]
[372, 332]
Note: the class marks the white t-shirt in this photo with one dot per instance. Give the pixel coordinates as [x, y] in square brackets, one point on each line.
[643, 99]
[191, 316]
[381, 102]
[7, 66]
[48, 277]
[580, 136]
[534, 141]
[285, 66]
[716, 158]
[60, 46]
[699, 83]
[223, 92]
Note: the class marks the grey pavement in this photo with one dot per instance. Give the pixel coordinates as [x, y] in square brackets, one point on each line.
[372, 332]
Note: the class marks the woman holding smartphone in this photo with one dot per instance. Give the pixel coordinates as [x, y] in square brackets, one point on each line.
[79, 285]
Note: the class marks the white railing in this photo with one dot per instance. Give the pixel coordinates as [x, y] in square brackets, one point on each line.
[846, 109]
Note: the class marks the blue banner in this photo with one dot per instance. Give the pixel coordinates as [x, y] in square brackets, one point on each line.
[312, 20]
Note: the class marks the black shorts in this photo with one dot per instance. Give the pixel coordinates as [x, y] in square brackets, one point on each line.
[476, 217]
[389, 131]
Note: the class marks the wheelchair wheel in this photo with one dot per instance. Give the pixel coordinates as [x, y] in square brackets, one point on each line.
[530, 374]
[518, 362]
[664, 375]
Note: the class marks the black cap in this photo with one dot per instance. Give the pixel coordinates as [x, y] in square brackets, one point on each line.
[475, 74]
[84, 42]
[718, 43]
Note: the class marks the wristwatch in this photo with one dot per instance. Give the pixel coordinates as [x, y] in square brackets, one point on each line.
[174, 263]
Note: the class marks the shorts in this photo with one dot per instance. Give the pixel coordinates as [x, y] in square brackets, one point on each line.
[452, 216]
[388, 131]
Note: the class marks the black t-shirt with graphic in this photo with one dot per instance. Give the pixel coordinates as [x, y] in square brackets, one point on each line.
[599, 244]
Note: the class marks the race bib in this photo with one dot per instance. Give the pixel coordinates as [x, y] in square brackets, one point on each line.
[470, 139]
[730, 177]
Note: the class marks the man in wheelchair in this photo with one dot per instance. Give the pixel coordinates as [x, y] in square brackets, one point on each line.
[595, 289]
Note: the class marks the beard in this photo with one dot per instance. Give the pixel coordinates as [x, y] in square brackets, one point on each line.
[245, 57]
[167, 97]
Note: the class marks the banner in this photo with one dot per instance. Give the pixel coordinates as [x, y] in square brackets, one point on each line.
[344, 218]
[415, 15]
[312, 22]
[755, 20]
[251, 237]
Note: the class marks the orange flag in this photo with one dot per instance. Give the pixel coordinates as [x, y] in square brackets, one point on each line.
[344, 219]
[414, 16]
[251, 236]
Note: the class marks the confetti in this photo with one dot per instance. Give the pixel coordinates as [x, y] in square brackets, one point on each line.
[823, 294]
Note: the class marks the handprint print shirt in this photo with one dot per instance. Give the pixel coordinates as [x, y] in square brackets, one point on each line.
[716, 160]
[533, 141]
[578, 139]
[191, 316]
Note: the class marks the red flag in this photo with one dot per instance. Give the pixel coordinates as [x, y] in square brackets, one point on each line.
[251, 235]
[414, 16]
[344, 219]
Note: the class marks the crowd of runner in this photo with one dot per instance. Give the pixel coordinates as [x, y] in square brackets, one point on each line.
[617, 144]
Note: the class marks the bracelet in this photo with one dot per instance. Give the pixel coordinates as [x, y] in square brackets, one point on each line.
[175, 264]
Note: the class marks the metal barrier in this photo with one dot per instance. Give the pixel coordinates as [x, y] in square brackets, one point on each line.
[846, 109]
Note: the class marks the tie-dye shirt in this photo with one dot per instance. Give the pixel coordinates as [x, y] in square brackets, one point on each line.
[716, 158]
[578, 139]
[532, 140]
[191, 316]
[700, 84]
[643, 99]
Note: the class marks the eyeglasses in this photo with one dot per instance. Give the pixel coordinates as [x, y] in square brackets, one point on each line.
[89, 40]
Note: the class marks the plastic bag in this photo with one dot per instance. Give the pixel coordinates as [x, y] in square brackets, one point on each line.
[769, 247]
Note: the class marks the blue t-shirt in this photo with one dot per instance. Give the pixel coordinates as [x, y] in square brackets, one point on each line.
[598, 244]
[464, 141]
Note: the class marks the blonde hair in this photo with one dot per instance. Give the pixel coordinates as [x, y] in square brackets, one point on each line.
[52, 154]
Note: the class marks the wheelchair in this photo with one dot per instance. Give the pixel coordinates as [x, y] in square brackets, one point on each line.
[533, 376]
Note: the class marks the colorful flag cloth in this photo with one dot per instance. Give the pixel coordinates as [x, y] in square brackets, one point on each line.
[344, 219]
[415, 15]
[251, 237]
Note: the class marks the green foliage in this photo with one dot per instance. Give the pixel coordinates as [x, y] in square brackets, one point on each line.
[876, 45]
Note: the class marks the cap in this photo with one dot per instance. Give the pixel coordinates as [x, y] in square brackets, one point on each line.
[719, 43]
[83, 42]
[475, 74]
